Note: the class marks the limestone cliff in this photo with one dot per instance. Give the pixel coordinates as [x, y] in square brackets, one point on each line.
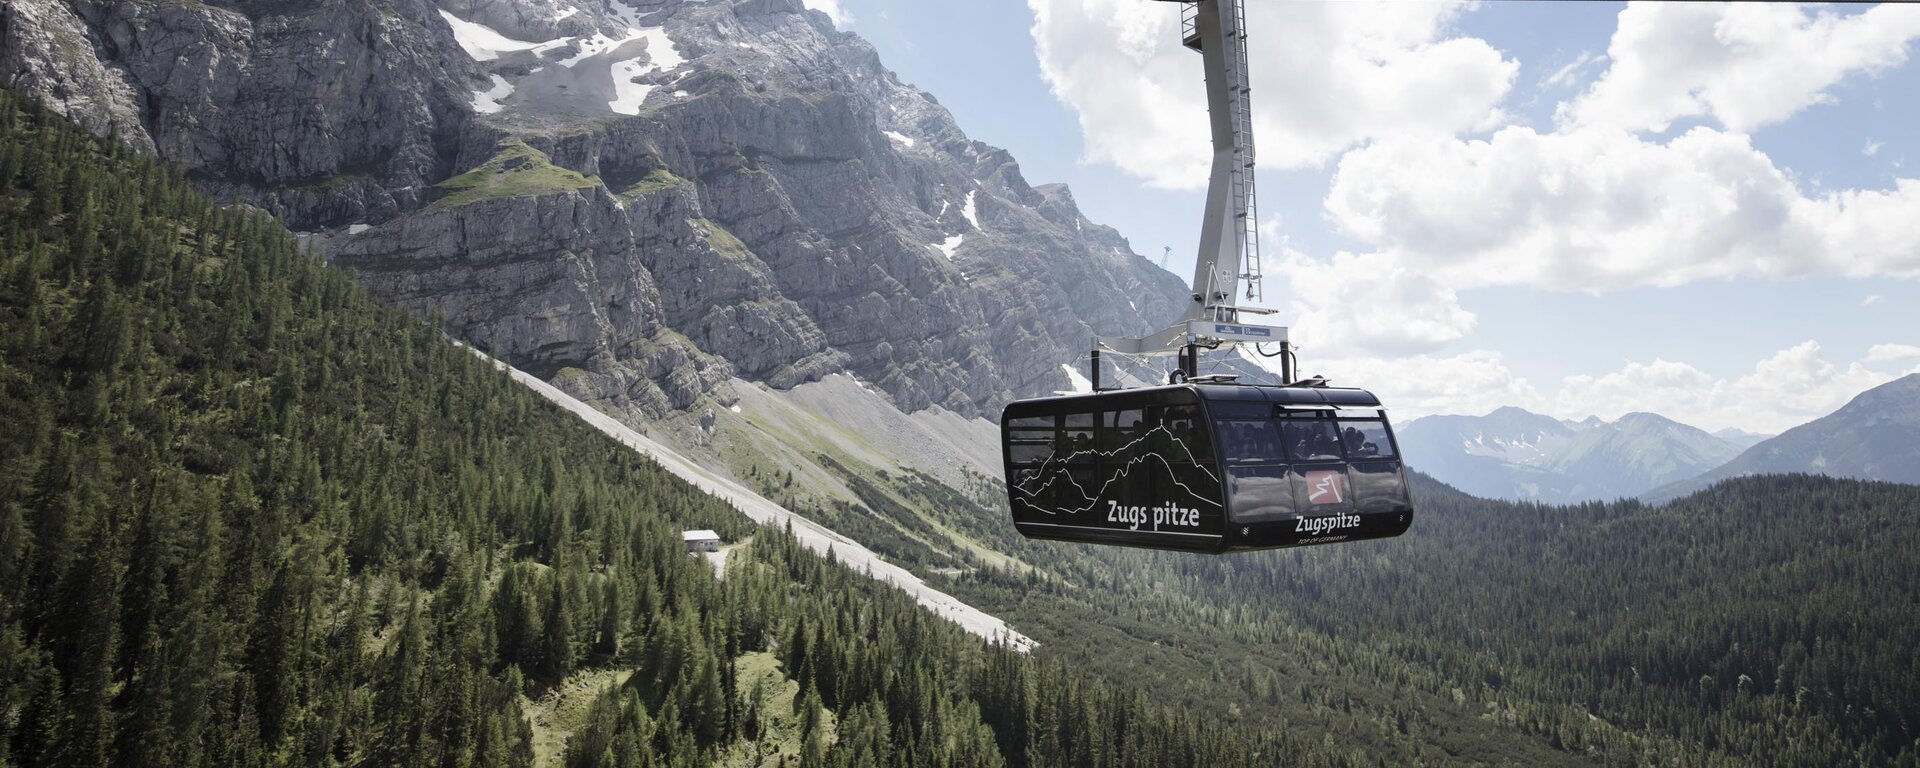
[638, 200]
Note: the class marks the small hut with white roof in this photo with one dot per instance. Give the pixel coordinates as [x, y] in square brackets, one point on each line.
[701, 541]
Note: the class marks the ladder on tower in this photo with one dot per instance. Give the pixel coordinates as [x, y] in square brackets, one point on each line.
[1230, 230]
[1246, 198]
[1246, 205]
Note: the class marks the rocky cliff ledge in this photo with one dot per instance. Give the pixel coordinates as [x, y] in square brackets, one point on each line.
[636, 200]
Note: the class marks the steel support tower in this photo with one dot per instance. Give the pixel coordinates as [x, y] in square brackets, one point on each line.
[1229, 253]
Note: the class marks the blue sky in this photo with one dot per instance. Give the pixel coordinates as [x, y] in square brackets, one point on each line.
[1578, 208]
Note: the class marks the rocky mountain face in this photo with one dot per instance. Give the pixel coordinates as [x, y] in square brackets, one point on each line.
[1636, 452]
[1512, 453]
[640, 201]
[1876, 436]
[1498, 456]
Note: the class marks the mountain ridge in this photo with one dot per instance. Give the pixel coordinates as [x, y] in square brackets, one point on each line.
[739, 188]
[1875, 436]
[1513, 453]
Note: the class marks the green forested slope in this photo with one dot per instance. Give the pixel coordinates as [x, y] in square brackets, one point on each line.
[1768, 621]
[250, 517]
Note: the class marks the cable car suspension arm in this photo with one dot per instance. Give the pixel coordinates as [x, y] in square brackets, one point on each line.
[1229, 234]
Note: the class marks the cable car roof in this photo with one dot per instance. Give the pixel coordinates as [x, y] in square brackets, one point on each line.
[1335, 396]
[1343, 397]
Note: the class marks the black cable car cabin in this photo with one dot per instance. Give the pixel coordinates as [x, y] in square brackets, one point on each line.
[1205, 468]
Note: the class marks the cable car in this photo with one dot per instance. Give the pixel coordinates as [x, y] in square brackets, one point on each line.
[1205, 467]
[1204, 464]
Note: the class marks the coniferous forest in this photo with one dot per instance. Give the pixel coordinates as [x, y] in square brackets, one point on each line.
[1766, 621]
[248, 516]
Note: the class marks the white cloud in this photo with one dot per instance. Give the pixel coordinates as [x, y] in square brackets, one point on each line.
[1872, 148]
[832, 9]
[1791, 387]
[1370, 304]
[1422, 385]
[1567, 75]
[1744, 64]
[1788, 388]
[1891, 353]
[1326, 77]
[1872, 299]
[1596, 209]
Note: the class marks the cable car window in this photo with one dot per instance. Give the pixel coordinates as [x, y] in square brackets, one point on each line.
[1250, 442]
[1079, 419]
[1030, 439]
[1377, 487]
[1062, 495]
[1076, 445]
[1031, 422]
[1322, 490]
[1260, 494]
[1185, 440]
[1366, 439]
[1029, 450]
[1310, 440]
[1120, 429]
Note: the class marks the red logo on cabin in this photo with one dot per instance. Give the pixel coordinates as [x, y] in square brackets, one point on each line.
[1326, 487]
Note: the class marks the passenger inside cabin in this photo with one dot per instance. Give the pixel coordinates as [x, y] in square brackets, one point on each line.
[1313, 441]
[1357, 445]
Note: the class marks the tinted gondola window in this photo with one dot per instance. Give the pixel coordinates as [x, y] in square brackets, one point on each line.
[1365, 439]
[1258, 488]
[1076, 439]
[1122, 429]
[1250, 442]
[1030, 440]
[1260, 494]
[1374, 474]
[1310, 437]
[1181, 438]
[1377, 486]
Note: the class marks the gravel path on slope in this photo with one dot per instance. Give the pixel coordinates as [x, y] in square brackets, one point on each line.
[764, 512]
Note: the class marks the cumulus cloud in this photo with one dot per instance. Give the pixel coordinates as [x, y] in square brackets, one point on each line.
[1793, 386]
[1786, 389]
[1422, 385]
[1370, 304]
[1327, 75]
[1745, 65]
[833, 10]
[1601, 208]
[1892, 353]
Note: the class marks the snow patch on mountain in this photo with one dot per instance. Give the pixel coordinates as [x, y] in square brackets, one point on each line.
[481, 41]
[1079, 381]
[487, 102]
[627, 94]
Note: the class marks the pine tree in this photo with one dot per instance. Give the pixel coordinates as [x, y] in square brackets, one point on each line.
[555, 654]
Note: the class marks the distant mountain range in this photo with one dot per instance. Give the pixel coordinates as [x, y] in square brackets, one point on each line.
[1513, 453]
[1874, 437]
